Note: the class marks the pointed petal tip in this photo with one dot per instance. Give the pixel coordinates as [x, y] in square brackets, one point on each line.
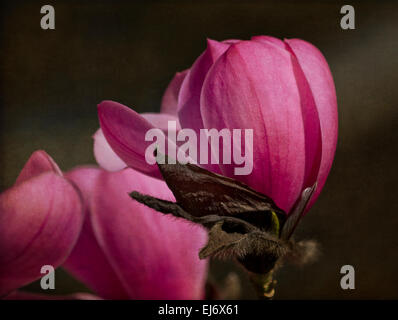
[125, 131]
[216, 48]
[210, 41]
[102, 104]
[39, 162]
[108, 105]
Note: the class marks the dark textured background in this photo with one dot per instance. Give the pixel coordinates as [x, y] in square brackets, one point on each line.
[51, 82]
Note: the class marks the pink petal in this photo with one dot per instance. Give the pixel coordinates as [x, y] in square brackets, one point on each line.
[160, 120]
[231, 41]
[189, 98]
[312, 128]
[40, 220]
[257, 80]
[125, 130]
[320, 80]
[38, 163]
[87, 261]
[313, 141]
[268, 39]
[155, 256]
[24, 295]
[170, 97]
[104, 155]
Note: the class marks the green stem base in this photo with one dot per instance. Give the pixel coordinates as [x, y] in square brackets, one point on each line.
[264, 285]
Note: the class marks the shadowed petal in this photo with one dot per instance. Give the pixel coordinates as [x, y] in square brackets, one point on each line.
[40, 220]
[156, 256]
[87, 261]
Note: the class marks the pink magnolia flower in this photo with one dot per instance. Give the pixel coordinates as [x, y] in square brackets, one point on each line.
[283, 90]
[40, 220]
[129, 251]
[119, 248]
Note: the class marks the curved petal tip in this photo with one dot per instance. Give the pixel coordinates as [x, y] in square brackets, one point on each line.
[39, 162]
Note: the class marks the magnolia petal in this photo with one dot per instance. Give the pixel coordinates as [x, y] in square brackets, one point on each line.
[312, 127]
[87, 261]
[189, 97]
[24, 295]
[312, 131]
[269, 39]
[40, 220]
[104, 155]
[257, 80]
[170, 97]
[320, 80]
[38, 163]
[109, 160]
[231, 41]
[155, 256]
[161, 120]
[125, 130]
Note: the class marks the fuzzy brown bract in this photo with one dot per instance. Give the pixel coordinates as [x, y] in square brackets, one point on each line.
[241, 222]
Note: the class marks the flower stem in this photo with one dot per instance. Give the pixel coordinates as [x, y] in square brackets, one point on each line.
[263, 284]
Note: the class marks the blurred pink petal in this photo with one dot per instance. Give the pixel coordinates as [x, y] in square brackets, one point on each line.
[87, 261]
[104, 155]
[154, 256]
[170, 96]
[40, 220]
[23, 295]
[38, 163]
